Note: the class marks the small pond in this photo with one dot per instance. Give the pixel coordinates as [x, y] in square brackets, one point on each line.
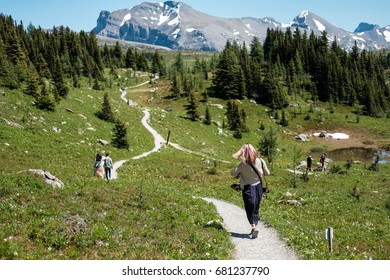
[365, 155]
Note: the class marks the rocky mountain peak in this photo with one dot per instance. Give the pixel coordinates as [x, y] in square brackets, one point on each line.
[176, 25]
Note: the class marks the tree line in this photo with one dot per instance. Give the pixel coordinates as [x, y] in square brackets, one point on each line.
[44, 63]
[289, 64]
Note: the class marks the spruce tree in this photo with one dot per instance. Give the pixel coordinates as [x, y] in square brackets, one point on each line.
[207, 119]
[45, 100]
[61, 89]
[192, 108]
[106, 113]
[119, 139]
[268, 145]
[32, 83]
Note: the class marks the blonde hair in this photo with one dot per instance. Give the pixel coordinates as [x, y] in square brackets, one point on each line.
[248, 154]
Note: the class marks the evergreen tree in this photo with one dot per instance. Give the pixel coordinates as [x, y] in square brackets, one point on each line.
[233, 116]
[175, 89]
[45, 100]
[116, 55]
[119, 139]
[192, 108]
[32, 84]
[106, 113]
[268, 145]
[61, 90]
[228, 81]
[283, 121]
[157, 65]
[207, 119]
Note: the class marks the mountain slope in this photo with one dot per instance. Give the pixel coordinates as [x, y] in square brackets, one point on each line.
[178, 26]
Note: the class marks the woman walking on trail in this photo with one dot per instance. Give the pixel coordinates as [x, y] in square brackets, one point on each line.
[98, 166]
[250, 182]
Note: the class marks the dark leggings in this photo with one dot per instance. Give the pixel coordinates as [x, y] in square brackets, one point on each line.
[252, 197]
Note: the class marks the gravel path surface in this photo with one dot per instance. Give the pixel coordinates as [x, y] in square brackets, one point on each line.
[267, 246]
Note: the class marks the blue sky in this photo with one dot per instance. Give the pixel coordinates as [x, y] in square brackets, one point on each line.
[82, 14]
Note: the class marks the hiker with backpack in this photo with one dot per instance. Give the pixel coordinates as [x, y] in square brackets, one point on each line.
[322, 161]
[250, 170]
[98, 166]
[108, 165]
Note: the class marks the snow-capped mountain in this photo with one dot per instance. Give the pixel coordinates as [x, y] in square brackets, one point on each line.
[177, 26]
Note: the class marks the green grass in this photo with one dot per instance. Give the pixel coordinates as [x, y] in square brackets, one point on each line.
[152, 211]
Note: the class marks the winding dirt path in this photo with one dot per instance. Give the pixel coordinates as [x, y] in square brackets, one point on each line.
[159, 141]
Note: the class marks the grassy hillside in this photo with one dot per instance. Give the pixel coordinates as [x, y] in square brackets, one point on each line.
[152, 211]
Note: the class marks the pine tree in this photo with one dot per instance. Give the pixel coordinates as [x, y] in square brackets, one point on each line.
[175, 89]
[129, 59]
[45, 100]
[61, 90]
[116, 55]
[157, 65]
[233, 116]
[229, 81]
[192, 108]
[32, 84]
[207, 119]
[119, 139]
[268, 145]
[243, 126]
[283, 121]
[106, 113]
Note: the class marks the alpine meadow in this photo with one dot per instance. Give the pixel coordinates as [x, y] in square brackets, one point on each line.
[66, 96]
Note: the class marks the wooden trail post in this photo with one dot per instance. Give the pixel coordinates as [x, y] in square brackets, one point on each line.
[169, 134]
[329, 237]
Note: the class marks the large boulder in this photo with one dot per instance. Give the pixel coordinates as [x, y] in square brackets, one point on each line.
[48, 178]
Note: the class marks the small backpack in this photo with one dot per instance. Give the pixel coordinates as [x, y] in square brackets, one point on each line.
[108, 162]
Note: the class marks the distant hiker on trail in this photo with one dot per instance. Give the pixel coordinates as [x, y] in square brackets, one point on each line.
[98, 166]
[250, 182]
[309, 162]
[322, 161]
[108, 165]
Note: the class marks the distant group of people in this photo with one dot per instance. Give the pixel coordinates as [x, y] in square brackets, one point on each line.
[103, 166]
[309, 162]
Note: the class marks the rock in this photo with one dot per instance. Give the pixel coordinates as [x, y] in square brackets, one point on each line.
[293, 202]
[302, 137]
[217, 123]
[218, 106]
[48, 178]
[102, 142]
[12, 123]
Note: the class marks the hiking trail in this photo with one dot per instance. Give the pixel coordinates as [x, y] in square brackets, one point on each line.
[267, 246]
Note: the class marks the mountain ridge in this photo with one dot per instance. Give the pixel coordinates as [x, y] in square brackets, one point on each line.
[176, 25]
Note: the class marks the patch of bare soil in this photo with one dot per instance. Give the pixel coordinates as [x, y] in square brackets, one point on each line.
[355, 140]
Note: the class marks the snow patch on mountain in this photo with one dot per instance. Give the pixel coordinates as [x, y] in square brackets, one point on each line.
[174, 33]
[248, 26]
[386, 34]
[126, 18]
[357, 38]
[304, 14]
[175, 21]
[320, 26]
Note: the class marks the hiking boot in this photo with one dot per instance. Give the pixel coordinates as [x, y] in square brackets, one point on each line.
[255, 233]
